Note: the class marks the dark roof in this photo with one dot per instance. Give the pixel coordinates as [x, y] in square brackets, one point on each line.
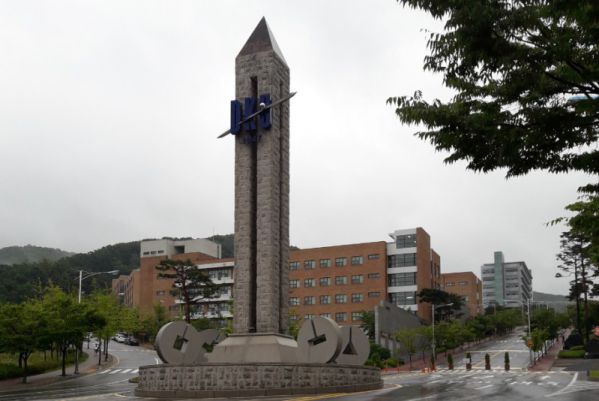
[261, 40]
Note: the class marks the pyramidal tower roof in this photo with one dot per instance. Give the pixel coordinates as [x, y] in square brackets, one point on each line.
[261, 40]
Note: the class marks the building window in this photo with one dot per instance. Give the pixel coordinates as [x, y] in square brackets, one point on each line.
[357, 279]
[357, 298]
[402, 260]
[293, 317]
[293, 265]
[403, 298]
[340, 262]
[462, 283]
[309, 317]
[374, 275]
[340, 299]
[405, 241]
[325, 262]
[293, 283]
[357, 260]
[325, 299]
[341, 316]
[341, 280]
[309, 283]
[373, 256]
[356, 316]
[328, 315]
[449, 284]
[399, 279]
[325, 281]
[294, 301]
[311, 300]
[309, 264]
[374, 294]
[491, 278]
[146, 253]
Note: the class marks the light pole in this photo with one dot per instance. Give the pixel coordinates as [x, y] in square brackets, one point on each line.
[82, 276]
[434, 345]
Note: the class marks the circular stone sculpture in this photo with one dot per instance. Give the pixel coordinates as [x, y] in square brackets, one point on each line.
[207, 339]
[319, 341]
[355, 347]
[179, 343]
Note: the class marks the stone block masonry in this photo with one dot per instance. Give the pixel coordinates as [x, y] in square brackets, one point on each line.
[262, 200]
[238, 380]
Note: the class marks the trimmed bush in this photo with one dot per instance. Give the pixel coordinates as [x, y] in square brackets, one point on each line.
[571, 354]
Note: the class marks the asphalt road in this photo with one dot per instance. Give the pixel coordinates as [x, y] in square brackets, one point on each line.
[458, 384]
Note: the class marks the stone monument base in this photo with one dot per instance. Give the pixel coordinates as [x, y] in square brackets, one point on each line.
[255, 348]
[213, 380]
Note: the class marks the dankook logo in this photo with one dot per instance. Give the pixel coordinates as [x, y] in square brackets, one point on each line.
[244, 113]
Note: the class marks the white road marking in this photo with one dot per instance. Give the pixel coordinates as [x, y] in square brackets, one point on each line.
[106, 371]
[487, 386]
[544, 377]
[509, 384]
[526, 383]
[135, 371]
[114, 371]
[565, 388]
[126, 370]
[158, 361]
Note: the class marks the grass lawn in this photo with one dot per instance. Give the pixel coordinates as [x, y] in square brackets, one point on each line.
[594, 374]
[36, 364]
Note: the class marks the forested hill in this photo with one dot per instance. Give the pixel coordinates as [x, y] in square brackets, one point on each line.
[30, 254]
[23, 280]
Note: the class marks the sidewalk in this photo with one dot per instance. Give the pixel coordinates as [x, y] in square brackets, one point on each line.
[546, 362]
[85, 368]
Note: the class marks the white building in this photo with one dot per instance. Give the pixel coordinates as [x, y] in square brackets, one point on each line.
[506, 283]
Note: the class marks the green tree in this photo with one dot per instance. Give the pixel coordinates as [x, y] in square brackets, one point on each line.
[22, 330]
[368, 323]
[425, 340]
[67, 320]
[190, 284]
[440, 297]
[408, 342]
[525, 77]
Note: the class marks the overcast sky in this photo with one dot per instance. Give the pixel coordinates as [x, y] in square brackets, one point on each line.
[109, 112]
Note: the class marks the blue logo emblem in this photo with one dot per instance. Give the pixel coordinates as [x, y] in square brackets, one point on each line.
[242, 117]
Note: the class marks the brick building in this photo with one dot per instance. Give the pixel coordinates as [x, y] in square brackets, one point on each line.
[143, 289]
[338, 282]
[335, 281]
[466, 285]
[412, 265]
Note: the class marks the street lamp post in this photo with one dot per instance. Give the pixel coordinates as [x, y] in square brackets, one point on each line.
[81, 278]
[434, 345]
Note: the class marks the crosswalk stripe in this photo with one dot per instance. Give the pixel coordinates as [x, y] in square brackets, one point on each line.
[126, 370]
[106, 371]
[115, 371]
[135, 371]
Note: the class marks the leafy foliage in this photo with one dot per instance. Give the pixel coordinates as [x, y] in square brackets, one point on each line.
[190, 284]
[526, 80]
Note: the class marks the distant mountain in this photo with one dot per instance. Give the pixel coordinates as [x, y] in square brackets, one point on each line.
[23, 280]
[30, 254]
[557, 302]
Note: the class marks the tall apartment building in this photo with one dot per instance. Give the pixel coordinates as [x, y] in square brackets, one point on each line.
[506, 283]
[466, 285]
[412, 265]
